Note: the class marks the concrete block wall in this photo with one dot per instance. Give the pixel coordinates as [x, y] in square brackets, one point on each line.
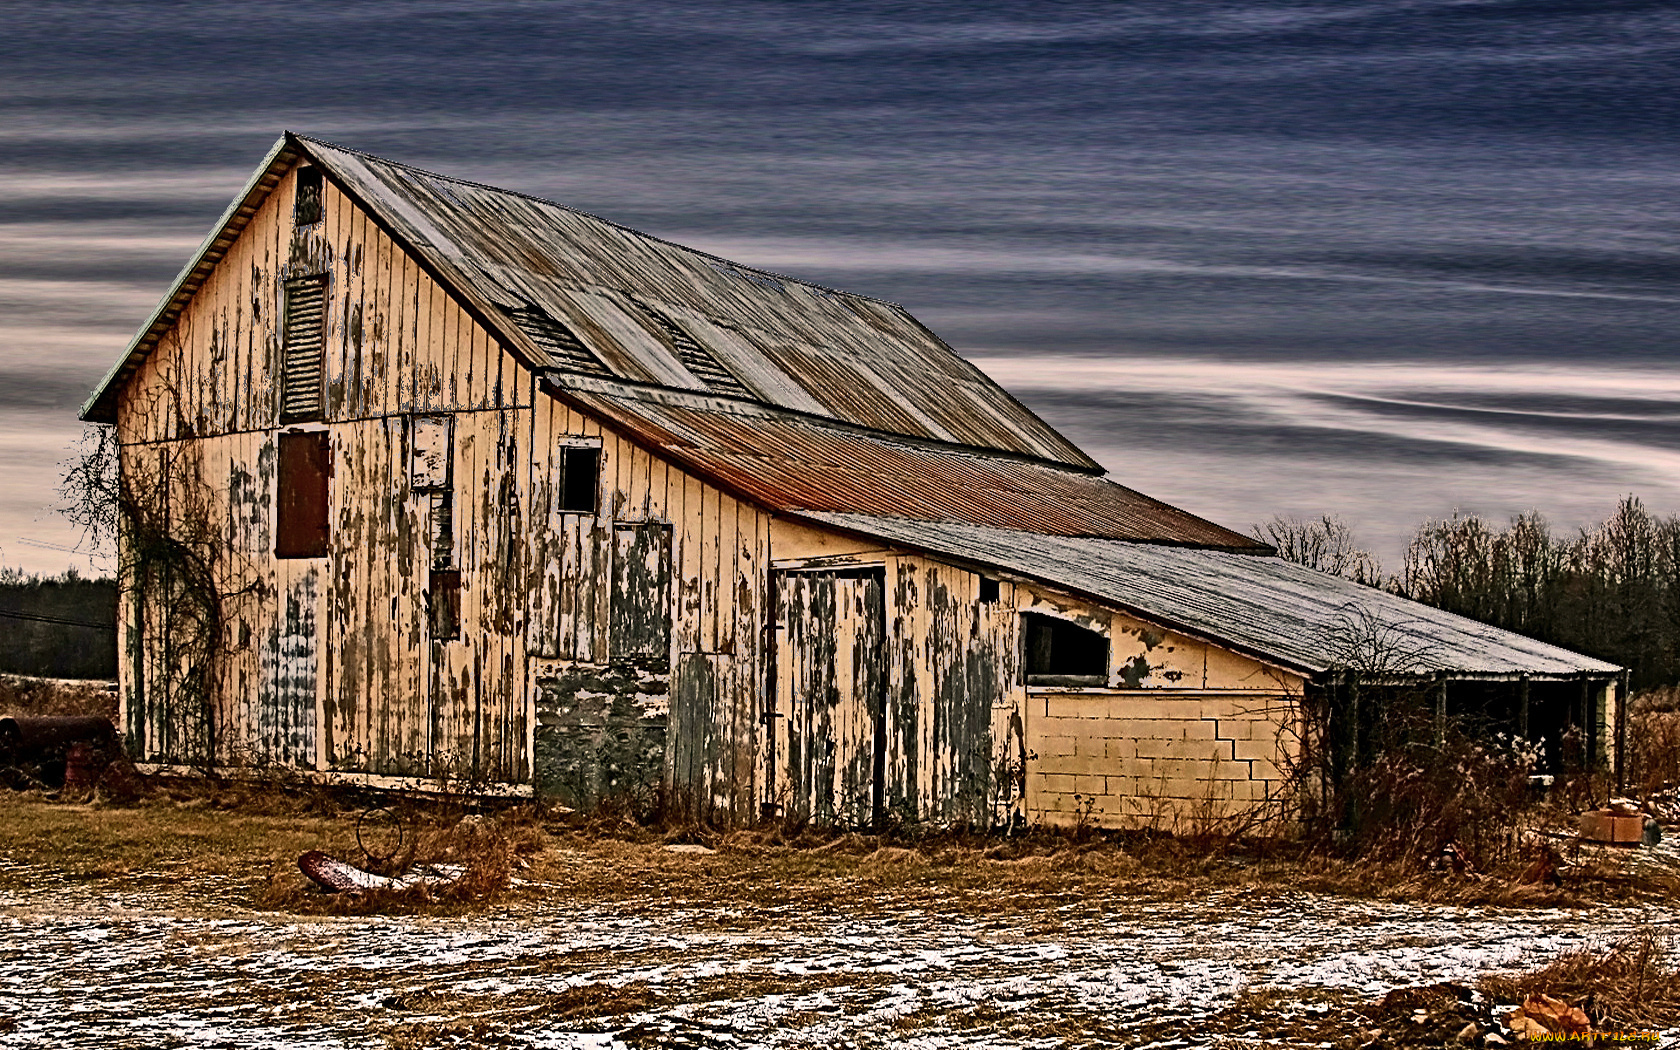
[1179, 762]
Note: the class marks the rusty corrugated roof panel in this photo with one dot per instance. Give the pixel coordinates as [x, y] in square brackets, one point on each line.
[786, 342]
[1271, 608]
[791, 462]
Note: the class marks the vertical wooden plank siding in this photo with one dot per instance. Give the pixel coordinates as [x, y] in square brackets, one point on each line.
[326, 658]
[831, 695]
[331, 663]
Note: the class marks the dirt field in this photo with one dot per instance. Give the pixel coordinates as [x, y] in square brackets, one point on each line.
[631, 944]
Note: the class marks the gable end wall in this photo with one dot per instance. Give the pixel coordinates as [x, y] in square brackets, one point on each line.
[329, 664]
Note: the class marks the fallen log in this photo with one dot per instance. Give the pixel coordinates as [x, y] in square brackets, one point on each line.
[337, 876]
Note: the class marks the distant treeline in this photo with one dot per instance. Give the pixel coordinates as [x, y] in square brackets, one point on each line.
[57, 626]
[1611, 591]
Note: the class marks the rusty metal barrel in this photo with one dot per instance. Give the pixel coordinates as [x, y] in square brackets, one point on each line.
[79, 766]
[39, 732]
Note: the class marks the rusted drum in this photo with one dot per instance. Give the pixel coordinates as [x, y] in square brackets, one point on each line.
[35, 749]
[78, 766]
[24, 735]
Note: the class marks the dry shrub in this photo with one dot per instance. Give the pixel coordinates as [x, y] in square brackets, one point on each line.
[1653, 742]
[1630, 984]
[480, 852]
[1426, 787]
[487, 849]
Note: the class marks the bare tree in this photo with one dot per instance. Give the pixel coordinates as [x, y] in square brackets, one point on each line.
[1612, 591]
[88, 489]
[1326, 544]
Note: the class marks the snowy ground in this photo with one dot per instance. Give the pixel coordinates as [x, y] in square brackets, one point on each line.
[152, 965]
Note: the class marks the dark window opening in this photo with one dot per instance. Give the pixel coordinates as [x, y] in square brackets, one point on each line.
[1062, 653]
[443, 604]
[580, 471]
[988, 589]
[306, 209]
[303, 353]
[300, 505]
[442, 539]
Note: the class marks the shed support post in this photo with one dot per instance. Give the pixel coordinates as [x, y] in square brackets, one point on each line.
[1589, 725]
[1441, 710]
[1355, 741]
[1522, 707]
[1621, 733]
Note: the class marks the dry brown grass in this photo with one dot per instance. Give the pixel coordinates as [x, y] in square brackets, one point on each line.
[455, 1019]
[56, 696]
[1041, 873]
[161, 836]
[1291, 1017]
[1653, 743]
[1632, 984]
[256, 831]
[450, 1017]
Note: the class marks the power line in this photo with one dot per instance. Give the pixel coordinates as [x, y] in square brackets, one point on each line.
[58, 619]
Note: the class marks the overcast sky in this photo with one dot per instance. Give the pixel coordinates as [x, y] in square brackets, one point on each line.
[1383, 260]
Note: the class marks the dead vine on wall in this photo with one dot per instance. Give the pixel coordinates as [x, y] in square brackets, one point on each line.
[153, 501]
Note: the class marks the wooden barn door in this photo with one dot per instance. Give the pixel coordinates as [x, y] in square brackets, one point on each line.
[830, 693]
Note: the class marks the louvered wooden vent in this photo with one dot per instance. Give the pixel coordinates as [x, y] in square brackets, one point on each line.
[696, 358]
[304, 350]
[563, 346]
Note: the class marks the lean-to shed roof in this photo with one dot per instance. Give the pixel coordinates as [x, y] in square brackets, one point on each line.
[585, 297]
[799, 463]
[1268, 607]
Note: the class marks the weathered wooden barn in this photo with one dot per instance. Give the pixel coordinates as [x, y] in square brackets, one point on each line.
[467, 486]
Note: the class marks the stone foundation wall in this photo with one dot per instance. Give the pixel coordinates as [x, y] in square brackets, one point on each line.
[600, 732]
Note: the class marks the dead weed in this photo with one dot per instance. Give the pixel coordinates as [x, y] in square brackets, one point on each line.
[20, 695]
[1631, 984]
[471, 860]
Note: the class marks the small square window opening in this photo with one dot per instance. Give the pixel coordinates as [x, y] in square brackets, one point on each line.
[1060, 652]
[580, 480]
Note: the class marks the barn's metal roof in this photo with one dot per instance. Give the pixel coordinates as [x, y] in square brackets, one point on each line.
[797, 463]
[646, 310]
[1271, 608]
[580, 295]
